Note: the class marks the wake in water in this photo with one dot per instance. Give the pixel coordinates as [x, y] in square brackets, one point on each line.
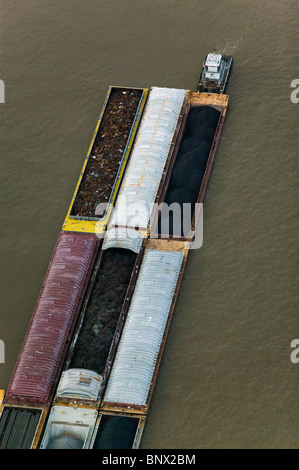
[230, 47]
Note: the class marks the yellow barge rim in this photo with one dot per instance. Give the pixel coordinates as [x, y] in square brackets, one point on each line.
[95, 225]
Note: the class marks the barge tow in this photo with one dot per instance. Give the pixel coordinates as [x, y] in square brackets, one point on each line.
[88, 366]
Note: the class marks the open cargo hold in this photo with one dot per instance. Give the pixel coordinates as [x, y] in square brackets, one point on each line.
[151, 152]
[2, 395]
[139, 352]
[118, 431]
[20, 427]
[69, 427]
[186, 182]
[102, 313]
[49, 333]
[106, 160]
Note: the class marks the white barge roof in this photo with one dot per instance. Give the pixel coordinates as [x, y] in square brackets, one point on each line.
[79, 383]
[135, 361]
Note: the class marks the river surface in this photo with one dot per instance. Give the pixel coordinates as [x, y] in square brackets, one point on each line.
[227, 379]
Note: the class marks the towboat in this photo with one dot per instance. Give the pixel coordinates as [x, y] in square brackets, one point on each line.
[215, 72]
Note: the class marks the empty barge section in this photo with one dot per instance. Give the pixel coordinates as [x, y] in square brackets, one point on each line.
[73, 414]
[68, 427]
[184, 186]
[21, 427]
[106, 160]
[149, 158]
[138, 356]
[49, 333]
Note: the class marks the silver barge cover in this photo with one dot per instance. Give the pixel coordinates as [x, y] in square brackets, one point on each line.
[143, 332]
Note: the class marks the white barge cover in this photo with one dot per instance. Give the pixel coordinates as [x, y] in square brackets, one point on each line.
[143, 332]
[148, 158]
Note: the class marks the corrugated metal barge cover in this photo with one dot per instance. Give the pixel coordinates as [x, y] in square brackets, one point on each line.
[13, 423]
[148, 158]
[139, 346]
[52, 318]
[123, 237]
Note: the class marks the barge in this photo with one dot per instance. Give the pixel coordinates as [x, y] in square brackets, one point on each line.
[88, 366]
[106, 160]
[215, 72]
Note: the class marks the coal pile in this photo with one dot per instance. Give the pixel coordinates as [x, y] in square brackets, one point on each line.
[107, 152]
[65, 442]
[103, 310]
[116, 433]
[189, 168]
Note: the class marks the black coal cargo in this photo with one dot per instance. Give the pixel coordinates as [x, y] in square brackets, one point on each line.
[103, 310]
[199, 118]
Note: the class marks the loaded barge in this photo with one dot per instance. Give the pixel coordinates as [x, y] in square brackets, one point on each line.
[87, 369]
